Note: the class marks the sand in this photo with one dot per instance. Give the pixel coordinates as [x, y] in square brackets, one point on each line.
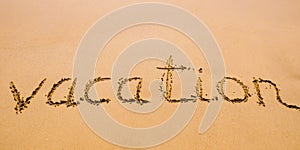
[258, 39]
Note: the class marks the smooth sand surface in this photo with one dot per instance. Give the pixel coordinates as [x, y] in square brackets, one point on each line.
[38, 39]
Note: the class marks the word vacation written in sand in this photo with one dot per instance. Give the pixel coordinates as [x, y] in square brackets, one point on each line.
[23, 103]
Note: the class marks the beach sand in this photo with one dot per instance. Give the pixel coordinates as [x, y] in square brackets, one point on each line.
[258, 39]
